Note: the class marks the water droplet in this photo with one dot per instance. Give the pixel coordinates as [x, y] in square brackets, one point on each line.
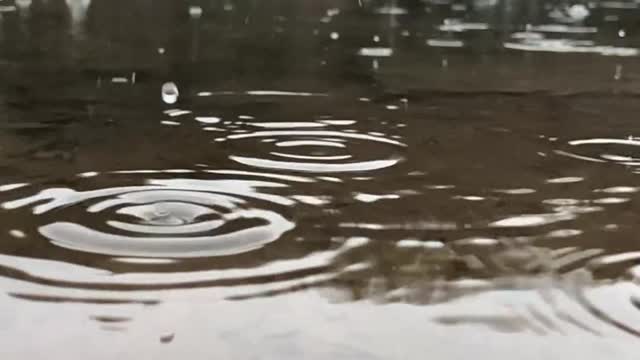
[195, 12]
[333, 12]
[170, 93]
[578, 12]
[618, 73]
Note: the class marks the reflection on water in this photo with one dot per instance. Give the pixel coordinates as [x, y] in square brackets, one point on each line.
[176, 217]
[319, 179]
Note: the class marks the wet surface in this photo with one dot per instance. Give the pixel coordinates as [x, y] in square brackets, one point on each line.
[319, 179]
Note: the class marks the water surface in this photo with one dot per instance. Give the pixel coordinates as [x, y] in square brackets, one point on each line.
[319, 179]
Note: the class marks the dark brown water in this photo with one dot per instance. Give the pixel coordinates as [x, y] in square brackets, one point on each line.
[319, 179]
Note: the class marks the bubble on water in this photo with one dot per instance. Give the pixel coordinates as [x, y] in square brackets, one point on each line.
[334, 36]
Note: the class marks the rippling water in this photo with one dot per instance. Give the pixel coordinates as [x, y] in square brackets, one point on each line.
[319, 179]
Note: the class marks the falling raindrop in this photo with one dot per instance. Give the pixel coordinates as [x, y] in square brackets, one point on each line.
[195, 12]
[578, 12]
[618, 73]
[170, 93]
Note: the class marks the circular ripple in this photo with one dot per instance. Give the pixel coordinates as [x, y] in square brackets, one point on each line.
[165, 218]
[605, 150]
[316, 151]
[615, 298]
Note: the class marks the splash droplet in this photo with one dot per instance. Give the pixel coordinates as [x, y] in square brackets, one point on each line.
[170, 93]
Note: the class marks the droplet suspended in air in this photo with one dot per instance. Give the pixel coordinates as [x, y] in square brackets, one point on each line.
[170, 93]
[578, 12]
[195, 12]
[23, 4]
